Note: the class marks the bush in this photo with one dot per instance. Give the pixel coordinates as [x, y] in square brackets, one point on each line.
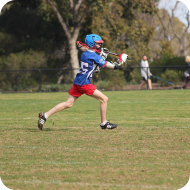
[168, 61]
[116, 80]
[56, 87]
[171, 76]
[135, 76]
[102, 85]
[22, 60]
[110, 79]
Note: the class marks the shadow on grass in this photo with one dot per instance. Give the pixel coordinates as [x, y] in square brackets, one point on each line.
[45, 129]
[34, 129]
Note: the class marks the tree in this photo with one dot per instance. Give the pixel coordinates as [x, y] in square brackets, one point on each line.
[180, 37]
[28, 3]
[71, 14]
[171, 32]
[123, 21]
[124, 26]
[27, 30]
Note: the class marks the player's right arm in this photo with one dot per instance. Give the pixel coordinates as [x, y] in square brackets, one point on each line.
[118, 63]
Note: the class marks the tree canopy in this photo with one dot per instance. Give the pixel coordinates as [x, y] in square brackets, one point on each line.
[51, 27]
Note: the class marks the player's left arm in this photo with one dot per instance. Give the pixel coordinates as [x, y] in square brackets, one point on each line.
[104, 54]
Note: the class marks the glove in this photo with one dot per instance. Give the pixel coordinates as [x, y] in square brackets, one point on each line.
[104, 53]
[122, 58]
[97, 69]
[116, 65]
[106, 50]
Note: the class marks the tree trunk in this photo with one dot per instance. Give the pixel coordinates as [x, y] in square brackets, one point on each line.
[60, 79]
[71, 36]
[74, 57]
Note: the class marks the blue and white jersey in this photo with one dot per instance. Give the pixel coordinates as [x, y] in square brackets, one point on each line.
[89, 61]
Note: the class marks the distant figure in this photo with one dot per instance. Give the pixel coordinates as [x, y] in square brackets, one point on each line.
[145, 73]
[187, 71]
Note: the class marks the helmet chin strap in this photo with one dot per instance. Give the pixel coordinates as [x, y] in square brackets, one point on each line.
[97, 50]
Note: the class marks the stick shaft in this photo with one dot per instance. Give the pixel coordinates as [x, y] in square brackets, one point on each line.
[114, 54]
[118, 55]
[163, 80]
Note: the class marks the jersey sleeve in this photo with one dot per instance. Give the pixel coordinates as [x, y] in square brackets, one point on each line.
[100, 61]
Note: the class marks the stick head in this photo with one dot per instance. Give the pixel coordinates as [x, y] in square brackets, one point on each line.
[82, 46]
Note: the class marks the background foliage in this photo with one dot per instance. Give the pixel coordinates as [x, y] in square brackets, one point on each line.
[31, 37]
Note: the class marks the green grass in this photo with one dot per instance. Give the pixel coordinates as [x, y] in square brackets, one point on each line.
[149, 150]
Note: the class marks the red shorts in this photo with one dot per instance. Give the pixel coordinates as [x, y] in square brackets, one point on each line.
[77, 90]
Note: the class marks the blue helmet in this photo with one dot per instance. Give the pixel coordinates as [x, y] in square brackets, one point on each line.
[91, 39]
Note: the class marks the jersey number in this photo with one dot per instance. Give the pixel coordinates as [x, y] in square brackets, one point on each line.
[83, 70]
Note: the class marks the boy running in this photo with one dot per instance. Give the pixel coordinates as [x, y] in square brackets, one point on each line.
[90, 61]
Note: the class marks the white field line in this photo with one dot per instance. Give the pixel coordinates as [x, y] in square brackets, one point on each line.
[89, 184]
[5, 119]
[46, 163]
[157, 118]
[96, 149]
[148, 102]
[105, 163]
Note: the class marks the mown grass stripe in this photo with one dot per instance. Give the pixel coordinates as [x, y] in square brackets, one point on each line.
[89, 184]
[103, 163]
[97, 149]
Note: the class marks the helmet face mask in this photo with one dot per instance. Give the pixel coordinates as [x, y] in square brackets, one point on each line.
[91, 39]
[98, 44]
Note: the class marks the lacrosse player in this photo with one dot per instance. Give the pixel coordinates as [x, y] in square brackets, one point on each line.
[90, 62]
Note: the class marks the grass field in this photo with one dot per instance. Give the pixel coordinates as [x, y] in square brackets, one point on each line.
[150, 149]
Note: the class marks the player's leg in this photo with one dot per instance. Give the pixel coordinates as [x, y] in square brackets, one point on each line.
[59, 107]
[187, 78]
[103, 108]
[149, 84]
[103, 103]
[186, 81]
[64, 105]
[142, 84]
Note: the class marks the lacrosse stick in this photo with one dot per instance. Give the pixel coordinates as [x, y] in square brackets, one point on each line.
[162, 80]
[119, 55]
[84, 47]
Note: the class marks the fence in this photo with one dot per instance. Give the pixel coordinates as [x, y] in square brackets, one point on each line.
[126, 78]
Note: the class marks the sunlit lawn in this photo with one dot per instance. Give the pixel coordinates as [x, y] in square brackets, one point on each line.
[149, 150]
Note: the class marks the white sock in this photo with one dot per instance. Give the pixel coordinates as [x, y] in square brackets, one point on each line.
[46, 116]
[102, 124]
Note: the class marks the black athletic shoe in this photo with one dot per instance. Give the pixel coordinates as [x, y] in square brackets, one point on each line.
[109, 126]
[41, 120]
